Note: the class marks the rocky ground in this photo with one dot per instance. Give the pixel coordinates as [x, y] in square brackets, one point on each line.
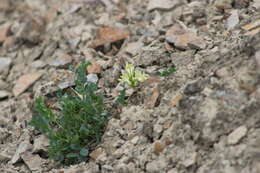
[203, 118]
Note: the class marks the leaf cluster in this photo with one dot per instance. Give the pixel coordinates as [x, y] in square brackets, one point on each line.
[79, 124]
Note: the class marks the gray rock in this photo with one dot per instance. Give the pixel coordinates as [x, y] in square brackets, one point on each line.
[3, 94]
[162, 4]
[237, 135]
[4, 157]
[232, 20]
[33, 161]
[5, 63]
[3, 84]
[23, 147]
[40, 144]
[92, 78]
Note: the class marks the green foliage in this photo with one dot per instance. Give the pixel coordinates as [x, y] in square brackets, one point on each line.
[167, 71]
[80, 123]
[132, 76]
[120, 99]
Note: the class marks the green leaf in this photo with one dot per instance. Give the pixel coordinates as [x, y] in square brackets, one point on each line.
[84, 152]
[120, 99]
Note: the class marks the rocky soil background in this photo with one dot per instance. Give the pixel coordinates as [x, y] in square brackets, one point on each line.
[203, 118]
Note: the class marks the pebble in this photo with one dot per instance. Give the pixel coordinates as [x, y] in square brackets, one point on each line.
[162, 4]
[23, 147]
[40, 144]
[94, 68]
[62, 60]
[158, 147]
[92, 78]
[33, 161]
[232, 20]
[24, 82]
[237, 135]
[3, 94]
[184, 38]
[96, 153]
[5, 63]
[257, 57]
[134, 48]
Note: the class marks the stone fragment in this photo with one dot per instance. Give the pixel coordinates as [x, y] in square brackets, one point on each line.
[158, 147]
[175, 101]
[23, 147]
[3, 94]
[5, 5]
[5, 64]
[184, 38]
[190, 160]
[94, 68]
[24, 82]
[241, 3]
[108, 35]
[223, 4]
[162, 4]
[134, 48]
[156, 166]
[4, 31]
[3, 84]
[135, 140]
[237, 135]
[96, 153]
[61, 61]
[38, 64]
[4, 157]
[40, 144]
[232, 20]
[153, 99]
[252, 28]
[92, 78]
[33, 161]
[256, 4]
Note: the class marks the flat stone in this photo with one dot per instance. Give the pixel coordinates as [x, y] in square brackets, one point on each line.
[94, 68]
[40, 144]
[153, 98]
[162, 4]
[135, 140]
[23, 147]
[33, 161]
[3, 94]
[232, 20]
[4, 31]
[184, 38]
[158, 147]
[96, 153]
[5, 64]
[257, 57]
[24, 82]
[134, 48]
[92, 78]
[237, 135]
[191, 160]
[62, 60]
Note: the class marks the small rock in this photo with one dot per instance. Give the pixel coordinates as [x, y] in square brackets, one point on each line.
[153, 99]
[256, 4]
[190, 160]
[158, 147]
[38, 64]
[135, 140]
[96, 153]
[5, 5]
[23, 147]
[252, 28]
[134, 48]
[4, 157]
[33, 161]
[24, 82]
[94, 68]
[92, 78]
[223, 4]
[4, 31]
[175, 101]
[40, 144]
[232, 20]
[156, 166]
[184, 38]
[3, 84]
[192, 88]
[237, 135]
[241, 3]
[3, 94]
[108, 35]
[61, 61]
[162, 4]
[4, 65]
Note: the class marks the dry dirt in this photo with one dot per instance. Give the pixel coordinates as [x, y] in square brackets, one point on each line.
[203, 118]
